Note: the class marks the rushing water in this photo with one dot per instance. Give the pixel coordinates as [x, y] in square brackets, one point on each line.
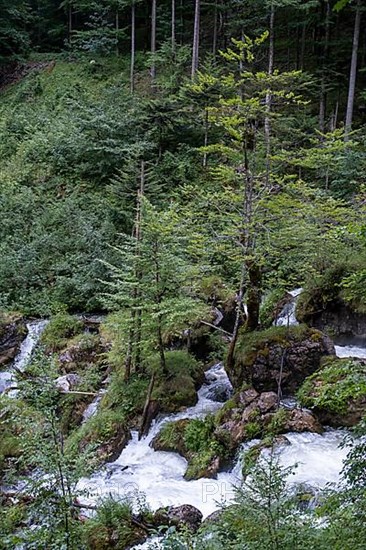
[7, 378]
[287, 316]
[351, 351]
[159, 475]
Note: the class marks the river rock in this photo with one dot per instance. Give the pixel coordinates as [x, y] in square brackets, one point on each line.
[280, 354]
[179, 516]
[332, 316]
[86, 349]
[67, 382]
[250, 415]
[13, 330]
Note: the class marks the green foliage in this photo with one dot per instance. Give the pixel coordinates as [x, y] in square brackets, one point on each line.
[335, 386]
[59, 330]
[113, 526]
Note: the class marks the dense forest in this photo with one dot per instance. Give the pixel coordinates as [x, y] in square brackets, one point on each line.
[183, 274]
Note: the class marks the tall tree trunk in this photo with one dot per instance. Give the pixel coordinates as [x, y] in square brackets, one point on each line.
[69, 23]
[173, 26]
[238, 316]
[144, 427]
[133, 47]
[117, 33]
[323, 91]
[141, 193]
[353, 71]
[267, 121]
[153, 39]
[214, 39]
[253, 294]
[196, 39]
[303, 46]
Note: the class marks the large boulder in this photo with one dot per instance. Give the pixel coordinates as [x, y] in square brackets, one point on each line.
[250, 415]
[185, 516]
[13, 330]
[334, 317]
[282, 356]
[195, 441]
[336, 393]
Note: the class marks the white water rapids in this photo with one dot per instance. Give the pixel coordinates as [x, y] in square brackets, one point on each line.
[7, 378]
[159, 475]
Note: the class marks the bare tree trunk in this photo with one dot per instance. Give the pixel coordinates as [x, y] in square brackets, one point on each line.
[196, 39]
[353, 71]
[143, 427]
[153, 39]
[267, 122]
[323, 92]
[253, 295]
[69, 23]
[117, 32]
[204, 161]
[138, 234]
[133, 47]
[238, 316]
[173, 26]
[214, 39]
[303, 44]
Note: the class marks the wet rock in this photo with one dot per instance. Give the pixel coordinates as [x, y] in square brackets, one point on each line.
[332, 316]
[13, 330]
[86, 349]
[110, 450]
[67, 382]
[267, 401]
[185, 516]
[279, 355]
[299, 420]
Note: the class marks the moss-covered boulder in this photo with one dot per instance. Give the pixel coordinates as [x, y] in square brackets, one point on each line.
[179, 388]
[60, 329]
[334, 302]
[105, 435]
[13, 330]
[250, 415]
[196, 442]
[285, 355]
[336, 393]
[181, 517]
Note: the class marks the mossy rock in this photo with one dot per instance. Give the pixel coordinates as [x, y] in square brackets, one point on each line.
[59, 330]
[11, 432]
[336, 392]
[196, 442]
[13, 330]
[177, 389]
[104, 436]
[325, 303]
[114, 526]
[285, 355]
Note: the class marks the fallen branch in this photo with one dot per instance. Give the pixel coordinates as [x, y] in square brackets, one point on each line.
[74, 392]
[217, 328]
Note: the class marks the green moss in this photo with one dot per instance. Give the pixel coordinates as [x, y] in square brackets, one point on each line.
[59, 330]
[251, 344]
[253, 430]
[113, 527]
[277, 424]
[179, 388]
[338, 383]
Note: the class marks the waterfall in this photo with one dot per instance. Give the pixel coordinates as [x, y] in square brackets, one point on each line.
[7, 378]
[287, 316]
